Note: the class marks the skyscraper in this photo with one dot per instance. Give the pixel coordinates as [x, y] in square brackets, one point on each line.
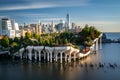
[68, 21]
[9, 27]
[39, 28]
[52, 24]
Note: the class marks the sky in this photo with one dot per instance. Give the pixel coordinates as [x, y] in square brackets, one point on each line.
[103, 14]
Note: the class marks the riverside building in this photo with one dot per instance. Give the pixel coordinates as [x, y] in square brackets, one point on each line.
[9, 27]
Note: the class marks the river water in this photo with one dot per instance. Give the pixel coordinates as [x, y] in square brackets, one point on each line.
[80, 70]
[113, 35]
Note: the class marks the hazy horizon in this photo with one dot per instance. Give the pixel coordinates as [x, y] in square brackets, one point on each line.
[104, 14]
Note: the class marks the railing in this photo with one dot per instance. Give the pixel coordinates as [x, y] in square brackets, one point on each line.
[4, 52]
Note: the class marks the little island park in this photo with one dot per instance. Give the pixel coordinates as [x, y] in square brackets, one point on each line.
[53, 47]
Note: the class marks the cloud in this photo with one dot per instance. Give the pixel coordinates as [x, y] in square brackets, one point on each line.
[111, 16]
[35, 4]
[98, 23]
[52, 19]
[36, 16]
[3, 16]
[32, 6]
[104, 26]
[22, 14]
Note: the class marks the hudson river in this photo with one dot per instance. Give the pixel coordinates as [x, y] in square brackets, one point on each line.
[105, 65]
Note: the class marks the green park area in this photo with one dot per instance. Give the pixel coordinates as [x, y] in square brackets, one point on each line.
[85, 38]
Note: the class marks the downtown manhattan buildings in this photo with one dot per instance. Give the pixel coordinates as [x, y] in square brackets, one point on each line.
[12, 29]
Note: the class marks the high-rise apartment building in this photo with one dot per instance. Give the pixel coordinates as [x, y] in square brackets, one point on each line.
[9, 27]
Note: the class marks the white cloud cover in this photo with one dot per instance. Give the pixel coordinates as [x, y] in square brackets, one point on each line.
[3, 16]
[35, 4]
[104, 26]
[110, 16]
[31, 6]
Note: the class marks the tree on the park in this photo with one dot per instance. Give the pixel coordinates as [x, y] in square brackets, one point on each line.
[47, 42]
[65, 41]
[35, 35]
[14, 44]
[5, 41]
[16, 39]
[28, 35]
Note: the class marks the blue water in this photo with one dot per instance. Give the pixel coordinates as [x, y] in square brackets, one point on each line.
[23, 70]
[113, 35]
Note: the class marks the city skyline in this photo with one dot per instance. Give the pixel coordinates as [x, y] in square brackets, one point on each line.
[103, 14]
